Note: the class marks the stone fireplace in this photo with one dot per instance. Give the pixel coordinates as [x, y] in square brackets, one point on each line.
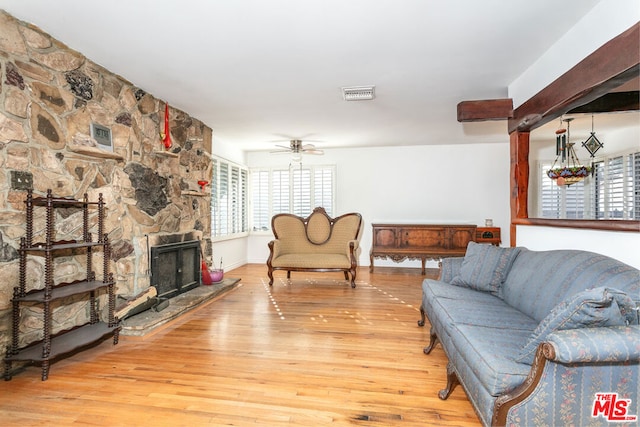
[49, 97]
[175, 266]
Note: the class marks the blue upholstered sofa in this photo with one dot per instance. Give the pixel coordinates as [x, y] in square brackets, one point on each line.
[539, 338]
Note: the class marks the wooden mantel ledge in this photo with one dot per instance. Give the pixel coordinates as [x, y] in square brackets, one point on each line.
[193, 193]
[94, 152]
[164, 154]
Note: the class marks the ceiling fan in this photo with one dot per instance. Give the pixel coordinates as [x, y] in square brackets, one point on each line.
[297, 147]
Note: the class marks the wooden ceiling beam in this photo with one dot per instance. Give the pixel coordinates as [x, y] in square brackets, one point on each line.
[610, 66]
[483, 110]
[615, 101]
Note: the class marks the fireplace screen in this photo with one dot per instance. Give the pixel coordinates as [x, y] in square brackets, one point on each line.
[175, 268]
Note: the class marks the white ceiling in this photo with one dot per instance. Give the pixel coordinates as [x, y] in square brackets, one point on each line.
[258, 71]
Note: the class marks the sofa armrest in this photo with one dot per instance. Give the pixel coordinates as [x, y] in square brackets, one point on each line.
[573, 365]
[277, 247]
[353, 252]
[274, 247]
[591, 345]
[449, 268]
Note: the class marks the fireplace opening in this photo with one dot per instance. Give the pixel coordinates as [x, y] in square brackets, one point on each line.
[175, 268]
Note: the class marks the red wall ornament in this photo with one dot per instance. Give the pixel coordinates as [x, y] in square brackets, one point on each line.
[166, 135]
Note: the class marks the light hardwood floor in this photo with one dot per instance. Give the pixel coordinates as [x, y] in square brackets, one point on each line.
[309, 352]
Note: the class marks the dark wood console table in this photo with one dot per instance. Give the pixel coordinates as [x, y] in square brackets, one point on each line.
[420, 241]
[489, 235]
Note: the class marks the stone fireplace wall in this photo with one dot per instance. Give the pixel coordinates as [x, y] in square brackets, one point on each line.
[49, 96]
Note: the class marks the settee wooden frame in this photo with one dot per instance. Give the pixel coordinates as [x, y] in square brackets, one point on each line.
[349, 272]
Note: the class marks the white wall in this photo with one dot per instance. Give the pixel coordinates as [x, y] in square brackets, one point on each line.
[228, 151]
[232, 253]
[605, 21]
[441, 183]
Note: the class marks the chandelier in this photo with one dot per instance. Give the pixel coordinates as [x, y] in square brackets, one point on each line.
[570, 170]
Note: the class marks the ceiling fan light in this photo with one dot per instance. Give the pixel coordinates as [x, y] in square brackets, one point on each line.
[358, 93]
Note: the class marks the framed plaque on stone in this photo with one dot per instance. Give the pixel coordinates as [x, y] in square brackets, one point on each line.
[102, 135]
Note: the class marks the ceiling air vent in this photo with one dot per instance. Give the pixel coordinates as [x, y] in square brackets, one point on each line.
[358, 93]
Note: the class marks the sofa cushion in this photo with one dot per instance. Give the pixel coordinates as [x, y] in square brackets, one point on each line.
[434, 289]
[485, 267]
[489, 352]
[312, 260]
[539, 280]
[596, 307]
[449, 268]
[458, 305]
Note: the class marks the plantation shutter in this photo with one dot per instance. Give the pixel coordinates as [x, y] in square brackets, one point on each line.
[244, 200]
[574, 200]
[323, 189]
[281, 191]
[600, 193]
[294, 190]
[229, 199]
[636, 186]
[235, 199]
[260, 200]
[612, 193]
[301, 192]
[550, 195]
[615, 186]
[215, 203]
[223, 199]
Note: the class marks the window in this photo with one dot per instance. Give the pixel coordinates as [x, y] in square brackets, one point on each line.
[229, 210]
[295, 190]
[636, 177]
[617, 187]
[613, 192]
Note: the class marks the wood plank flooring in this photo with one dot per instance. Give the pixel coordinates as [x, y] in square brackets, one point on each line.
[309, 352]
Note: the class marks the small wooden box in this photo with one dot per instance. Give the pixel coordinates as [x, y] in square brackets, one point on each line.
[488, 235]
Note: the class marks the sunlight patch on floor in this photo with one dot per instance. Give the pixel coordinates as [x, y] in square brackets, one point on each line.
[267, 288]
[411, 306]
[316, 318]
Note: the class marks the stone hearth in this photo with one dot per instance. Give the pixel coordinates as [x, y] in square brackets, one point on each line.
[150, 320]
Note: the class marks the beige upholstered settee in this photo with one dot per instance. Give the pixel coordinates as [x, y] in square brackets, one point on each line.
[316, 243]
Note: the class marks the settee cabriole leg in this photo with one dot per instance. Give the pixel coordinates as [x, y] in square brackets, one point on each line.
[452, 382]
[422, 316]
[288, 274]
[270, 274]
[433, 340]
